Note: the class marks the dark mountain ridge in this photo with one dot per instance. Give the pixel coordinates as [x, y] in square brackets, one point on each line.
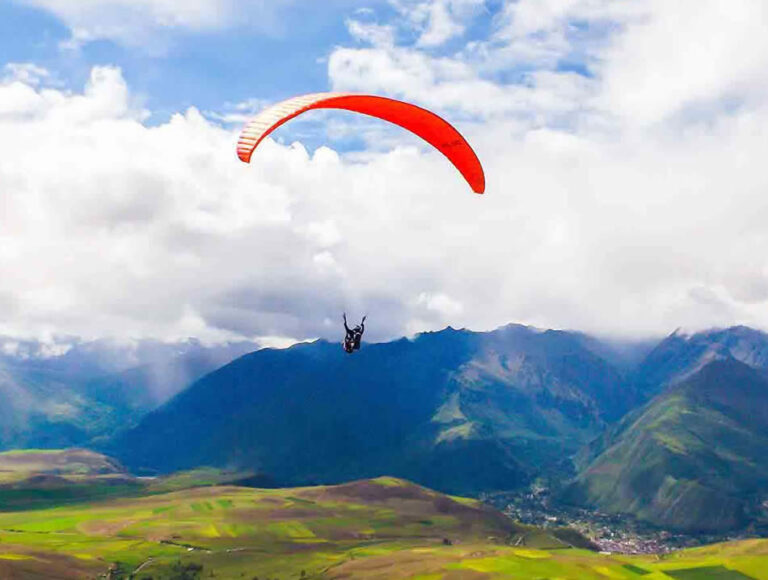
[457, 410]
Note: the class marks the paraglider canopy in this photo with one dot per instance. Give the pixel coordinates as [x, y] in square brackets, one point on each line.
[433, 129]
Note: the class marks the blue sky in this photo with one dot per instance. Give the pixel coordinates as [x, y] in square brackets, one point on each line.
[209, 69]
[623, 156]
[205, 69]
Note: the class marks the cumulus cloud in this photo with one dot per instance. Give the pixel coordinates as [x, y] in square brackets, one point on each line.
[104, 221]
[465, 82]
[109, 227]
[690, 58]
[604, 211]
[619, 176]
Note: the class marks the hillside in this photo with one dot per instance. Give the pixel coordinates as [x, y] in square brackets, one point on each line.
[71, 462]
[229, 528]
[456, 410]
[380, 528]
[693, 458]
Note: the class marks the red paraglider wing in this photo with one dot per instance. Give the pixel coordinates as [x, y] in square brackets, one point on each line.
[433, 129]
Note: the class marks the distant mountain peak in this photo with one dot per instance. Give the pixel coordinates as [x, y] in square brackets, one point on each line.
[719, 333]
[448, 330]
[682, 355]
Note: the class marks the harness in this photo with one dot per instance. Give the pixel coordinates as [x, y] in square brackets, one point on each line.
[352, 341]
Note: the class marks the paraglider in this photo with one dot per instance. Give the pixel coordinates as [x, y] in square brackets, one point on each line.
[354, 335]
[433, 129]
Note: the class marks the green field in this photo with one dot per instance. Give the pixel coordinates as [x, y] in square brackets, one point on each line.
[384, 528]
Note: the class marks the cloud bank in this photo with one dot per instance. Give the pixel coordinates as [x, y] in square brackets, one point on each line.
[623, 144]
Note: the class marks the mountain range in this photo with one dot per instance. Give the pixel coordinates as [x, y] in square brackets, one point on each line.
[458, 410]
[673, 432]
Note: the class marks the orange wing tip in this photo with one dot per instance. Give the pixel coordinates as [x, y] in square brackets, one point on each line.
[244, 155]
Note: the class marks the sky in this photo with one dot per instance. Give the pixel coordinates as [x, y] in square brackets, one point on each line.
[623, 143]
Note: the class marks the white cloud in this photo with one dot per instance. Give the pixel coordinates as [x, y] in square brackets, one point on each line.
[440, 303]
[109, 227]
[653, 58]
[27, 73]
[450, 84]
[688, 57]
[602, 211]
[238, 113]
[544, 31]
[372, 33]
[605, 211]
[437, 21]
[102, 215]
[441, 25]
[466, 82]
[325, 234]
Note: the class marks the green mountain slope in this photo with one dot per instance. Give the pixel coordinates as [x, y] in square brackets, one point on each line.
[455, 410]
[693, 458]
